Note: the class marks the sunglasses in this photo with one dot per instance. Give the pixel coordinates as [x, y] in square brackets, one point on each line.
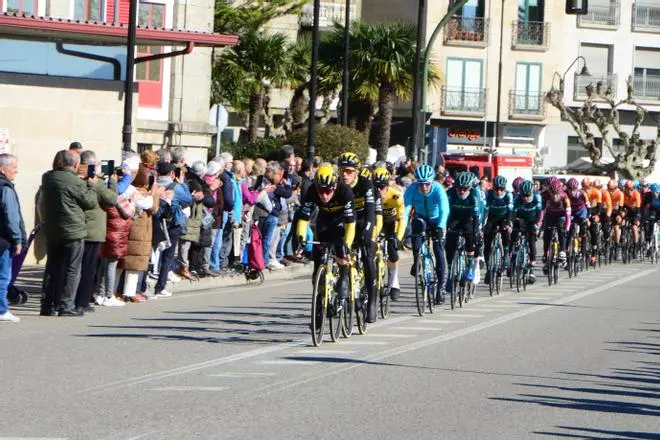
[463, 189]
[348, 170]
[500, 189]
[325, 191]
[425, 183]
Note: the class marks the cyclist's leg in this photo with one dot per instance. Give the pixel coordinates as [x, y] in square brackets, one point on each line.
[418, 226]
[470, 246]
[634, 217]
[530, 231]
[330, 235]
[450, 248]
[562, 237]
[392, 260]
[489, 234]
[506, 239]
[440, 264]
[369, 264]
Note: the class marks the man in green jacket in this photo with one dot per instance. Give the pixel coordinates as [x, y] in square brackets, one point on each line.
[96, 220]
[66, 198]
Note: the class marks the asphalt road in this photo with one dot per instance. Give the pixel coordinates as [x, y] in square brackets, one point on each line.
[577, 360]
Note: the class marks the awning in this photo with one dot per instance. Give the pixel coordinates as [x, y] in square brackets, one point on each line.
[98, 33]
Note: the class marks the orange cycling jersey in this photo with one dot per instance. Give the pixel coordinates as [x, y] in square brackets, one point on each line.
[617, 198]
[632, 199]
[607, 202]
[594, 196]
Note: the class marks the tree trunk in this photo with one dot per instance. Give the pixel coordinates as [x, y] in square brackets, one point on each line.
[256, 109]
[361, 114]
[299, 107]
[385, 109]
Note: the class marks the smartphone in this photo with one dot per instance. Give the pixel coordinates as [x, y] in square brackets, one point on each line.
[119, 171]
[91, 171]
[108, 167]
[177, 172]
[151, 181]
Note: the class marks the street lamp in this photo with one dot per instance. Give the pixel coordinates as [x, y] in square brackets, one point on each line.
[583, 72]
[344, 94]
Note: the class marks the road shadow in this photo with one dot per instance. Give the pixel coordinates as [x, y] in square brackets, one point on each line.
[599, 434]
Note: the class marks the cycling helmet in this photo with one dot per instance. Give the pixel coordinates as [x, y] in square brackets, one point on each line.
[644, 182]
[390, 167]
[598, 184]
[382, 177]
[464, 180]
[365, 172]
[630, 184]
[475, 179]
[612, 184]
[516, 183]
[655, 187]
[586, 183]
[424, 173]
[527, 188]
[556, 187]
[572, 184]
[348, 159]
[499, 182]
[325, 176]
[552, 180]
[622, 183]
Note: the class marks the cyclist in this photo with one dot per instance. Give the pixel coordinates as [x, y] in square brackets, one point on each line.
[616, 195]
[499, 212]
[594, 205]
[528, 212]
[516, 185]
[430, 202]
[632, 202]
[463, 217]
[556, 213]
[394, 225]
[369, 219]
[605, 209]
[579, 209]
[449, 182]
[646, 186]
[335, 223]
[651, 205]
[478, 190]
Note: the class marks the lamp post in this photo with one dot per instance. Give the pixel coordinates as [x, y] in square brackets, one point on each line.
[417, 78]
[499, 83]
[347, 38]
[583, 72]
[313, 79]
[129, 83]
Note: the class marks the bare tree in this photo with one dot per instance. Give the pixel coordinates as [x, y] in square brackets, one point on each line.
[638, 157]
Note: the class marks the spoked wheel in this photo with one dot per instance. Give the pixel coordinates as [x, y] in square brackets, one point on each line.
[384, 302]
[550, 263]
[431, 284]
[336, 319]
[555, 271]
[383, 291]
[348, 319]
[519, 271]
[586, 252]
[498, 280]
[571, 258]
[361, 312]
[455, 284]
[319, 306]
[492, 268]
[420, 285]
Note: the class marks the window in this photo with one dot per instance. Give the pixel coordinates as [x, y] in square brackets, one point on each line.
[472, 9]
[150, 74]
[527, 97]
[646, 79]
[22, 6]
[464, 88]
[574, 150]
[599, 59]
[530, 10]
[88, 10]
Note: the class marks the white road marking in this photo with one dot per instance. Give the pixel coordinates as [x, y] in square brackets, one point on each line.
[312, 351]
[390, 335]
[286, 384]
[182, 388]
[487, 310]
[463, 315]
[440, 321]
[503, 306]
[356, 342]
[242, 375]
[416, 328]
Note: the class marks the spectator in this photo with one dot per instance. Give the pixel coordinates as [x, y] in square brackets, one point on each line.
[76, 147]
[178, 155]
[249, 168]
[13, 239]
[227, 193]
[249, 198]
[213, 171]
[307, 175]
[194, 223]
[65, 197]
[233, 205]
[95, 219]
[270, 182]
[136, 262]
[164, 155]
[299, 162]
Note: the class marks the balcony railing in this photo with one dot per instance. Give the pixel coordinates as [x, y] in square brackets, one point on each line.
[329, 14]
[471, 101]
[467, 31]
[582, 81]
[601, 16]
[646, 16]
[530, 35]
[524, 105]
[647, 87]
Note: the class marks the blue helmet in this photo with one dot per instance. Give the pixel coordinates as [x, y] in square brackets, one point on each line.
[424, 173]
[655, 187]
[622, 183]
[637, 185]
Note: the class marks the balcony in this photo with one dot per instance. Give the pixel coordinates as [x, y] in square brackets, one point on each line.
[530, 35]
[329, 14]
[463, 101]
[647, 88]
[601, 16]
[581, 82]
[467, 31]
[524, 105]
[646, 16]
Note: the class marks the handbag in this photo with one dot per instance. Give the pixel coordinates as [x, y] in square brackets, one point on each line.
[207, 218]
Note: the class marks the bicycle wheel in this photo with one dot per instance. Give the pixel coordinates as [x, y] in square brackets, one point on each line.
[518, 270]
[550, 262]
[586, 252]
[348, 319]
[336, 318]
[382, 290]
[361, 312]
[570, 257]
[431, 282]
[461, 278]
[420, 284]
[319, 306]
[555, 271]
[498, 273]
[492, 266]
[454, 274]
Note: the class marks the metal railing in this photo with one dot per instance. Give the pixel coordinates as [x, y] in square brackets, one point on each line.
[582, 81]
[471, 100]
[646, 87]
[471, 31]
[526, 105]
[646, 16]
[530, 34]
[600, 15]
[329, 14]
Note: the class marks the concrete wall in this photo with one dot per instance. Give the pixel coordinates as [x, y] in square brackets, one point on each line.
[44, 114]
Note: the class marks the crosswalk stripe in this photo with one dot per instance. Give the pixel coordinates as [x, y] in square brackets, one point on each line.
[440, 321]
[356, 342]
[312, 350]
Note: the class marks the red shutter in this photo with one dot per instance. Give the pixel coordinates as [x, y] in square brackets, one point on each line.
[110, 11]
[124, 7]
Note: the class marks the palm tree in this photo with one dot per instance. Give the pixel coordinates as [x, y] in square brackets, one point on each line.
[248, 70]
[297, 78]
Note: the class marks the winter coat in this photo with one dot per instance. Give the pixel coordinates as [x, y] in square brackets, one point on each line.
[12, 227]
[139, 240]
[66, 197]
[116, 238]
[96, 218]
[194, 226]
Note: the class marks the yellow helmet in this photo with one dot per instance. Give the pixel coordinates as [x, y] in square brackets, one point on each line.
[348, 159]
[366, 172]
[325, 176]
[382, 177]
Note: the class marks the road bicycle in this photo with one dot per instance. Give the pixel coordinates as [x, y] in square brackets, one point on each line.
[461, 288]
[552, 258]
[496, 264]
[356, 308]
[382, 288]
[425, 276]
[519, 259]
[325, 300]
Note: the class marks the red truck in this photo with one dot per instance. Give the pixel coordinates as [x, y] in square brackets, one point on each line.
[509, 166]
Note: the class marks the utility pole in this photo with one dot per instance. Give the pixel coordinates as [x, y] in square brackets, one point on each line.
[129, 83]
[314, 77]
[347, 40]
[421, 42]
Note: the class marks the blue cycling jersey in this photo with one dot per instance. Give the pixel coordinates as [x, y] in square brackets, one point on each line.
[481, 203]
[499, 206]
[432, 206]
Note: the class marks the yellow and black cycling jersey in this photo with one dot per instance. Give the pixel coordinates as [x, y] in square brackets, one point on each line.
[394, 210]
[368, 207]
[337, 211]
